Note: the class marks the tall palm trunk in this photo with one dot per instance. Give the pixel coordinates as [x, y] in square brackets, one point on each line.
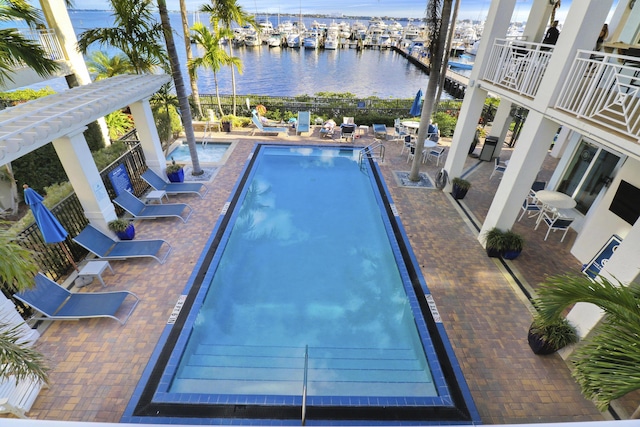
[233, 79]
[185, 109]
[187, 45]
[432, 88]
[447, 53]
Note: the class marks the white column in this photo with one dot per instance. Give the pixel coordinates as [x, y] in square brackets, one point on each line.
[57, 16]
[496, 25]
[148, 133]
[465, 131]
[501, 123]
[538, 20]
[561, 141]
[525, 162]
[84, 176]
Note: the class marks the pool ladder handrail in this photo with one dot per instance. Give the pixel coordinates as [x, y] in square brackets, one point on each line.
[370, 149]
[304, 384]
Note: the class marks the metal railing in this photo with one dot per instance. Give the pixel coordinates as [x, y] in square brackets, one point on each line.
[518, 65]
[604, 88]
[370, 149]
[48, 40]
[51, 258]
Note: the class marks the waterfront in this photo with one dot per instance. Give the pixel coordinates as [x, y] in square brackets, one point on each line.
[289, 72]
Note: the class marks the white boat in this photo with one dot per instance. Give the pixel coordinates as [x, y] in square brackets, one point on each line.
[252, 38]
[384, 41]
[294, 39]
[275, 40]
[332, 40]
[311, 40]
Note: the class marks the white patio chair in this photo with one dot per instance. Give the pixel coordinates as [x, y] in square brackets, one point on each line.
[555, 222]
[436, 153]
[499, 167]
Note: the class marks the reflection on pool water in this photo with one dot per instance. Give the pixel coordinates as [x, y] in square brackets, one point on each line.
[208, 152]
[308, 282]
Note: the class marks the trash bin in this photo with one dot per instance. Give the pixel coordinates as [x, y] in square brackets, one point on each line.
[488, 148]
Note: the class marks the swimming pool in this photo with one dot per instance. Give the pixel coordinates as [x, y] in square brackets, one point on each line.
[209, 152]
[308, 283]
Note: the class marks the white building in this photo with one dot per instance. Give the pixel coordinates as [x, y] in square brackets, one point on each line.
[594, 96]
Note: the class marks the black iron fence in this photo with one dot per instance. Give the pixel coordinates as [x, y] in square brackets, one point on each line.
[53, 259]
[364, 110]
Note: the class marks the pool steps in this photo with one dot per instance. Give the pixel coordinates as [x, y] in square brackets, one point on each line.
[346, 371]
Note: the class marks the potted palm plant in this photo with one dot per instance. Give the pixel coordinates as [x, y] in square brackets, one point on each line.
[495, 242]
[547, 336]
[460, 188]
[513, 244]
[175, 172]
[123, 228]
[227, 122]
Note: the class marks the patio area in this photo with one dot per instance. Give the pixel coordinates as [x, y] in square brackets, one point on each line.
[96, 364]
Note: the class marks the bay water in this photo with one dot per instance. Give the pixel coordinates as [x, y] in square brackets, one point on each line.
[285, 71]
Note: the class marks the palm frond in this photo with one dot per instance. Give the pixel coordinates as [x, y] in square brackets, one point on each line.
[18, 359]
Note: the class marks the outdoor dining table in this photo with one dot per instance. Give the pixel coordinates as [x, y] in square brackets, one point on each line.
[413, 126]
[555, 199]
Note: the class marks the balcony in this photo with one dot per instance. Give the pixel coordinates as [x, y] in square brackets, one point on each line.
[518, 65]
[48, 40]
[604, 89]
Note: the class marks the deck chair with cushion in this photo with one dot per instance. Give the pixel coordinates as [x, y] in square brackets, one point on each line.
[261, 128]
[156, 181]
[347, 131]
[57, 303]
[380, 131]
[140, 210]
[105, 247]
[304, 123]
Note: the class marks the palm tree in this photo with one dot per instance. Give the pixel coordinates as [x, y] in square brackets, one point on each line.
[228, 12]
[214, 56]
[193, 79]
[135, 32]
[438, 24]
[185, 108]
[607, 366]
[18, 50]
[103, 66]
[17, 270]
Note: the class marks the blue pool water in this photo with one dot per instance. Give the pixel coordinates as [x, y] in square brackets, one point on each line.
[307, 260]
[207, 153]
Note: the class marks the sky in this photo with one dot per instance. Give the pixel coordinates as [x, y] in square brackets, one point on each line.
[469, 9]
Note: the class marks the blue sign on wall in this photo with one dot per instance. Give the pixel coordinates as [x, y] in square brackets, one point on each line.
[592, 269]
[120, 180]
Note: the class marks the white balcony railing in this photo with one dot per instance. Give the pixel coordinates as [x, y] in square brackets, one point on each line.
[518, 65]
[605, 89]
[47, 40]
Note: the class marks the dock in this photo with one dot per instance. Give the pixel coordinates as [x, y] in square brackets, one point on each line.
[454, 83]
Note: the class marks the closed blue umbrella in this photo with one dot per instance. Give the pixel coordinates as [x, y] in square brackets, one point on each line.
[51, 229]
[416, 107]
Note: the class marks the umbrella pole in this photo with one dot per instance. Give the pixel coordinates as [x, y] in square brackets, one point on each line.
[66, 251]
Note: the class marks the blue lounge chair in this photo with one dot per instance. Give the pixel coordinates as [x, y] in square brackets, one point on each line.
[160, 184]
[57, 303]
[379, 131]
[140, 210]
[105, 247]
[304, 122]
[263, 129]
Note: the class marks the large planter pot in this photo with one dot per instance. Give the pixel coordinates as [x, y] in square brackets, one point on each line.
[510, 254]
[458, 192]
[128, 234]
[176, 176]
[226, 126]
[538, 345]
[493, 253]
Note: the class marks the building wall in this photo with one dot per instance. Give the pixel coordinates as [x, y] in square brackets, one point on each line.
[601, 223]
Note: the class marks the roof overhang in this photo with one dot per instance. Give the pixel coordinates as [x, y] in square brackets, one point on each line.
[29, 126]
